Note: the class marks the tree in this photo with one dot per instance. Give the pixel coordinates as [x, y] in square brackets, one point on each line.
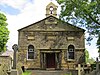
[84, 13]
[98, 44]
[91, 61]
[86, 56]
[4, 33]
[87, 59]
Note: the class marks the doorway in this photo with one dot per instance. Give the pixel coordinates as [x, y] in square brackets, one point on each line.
[50, 60]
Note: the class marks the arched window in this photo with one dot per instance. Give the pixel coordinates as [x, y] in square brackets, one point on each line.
[71, 52]
[30, 52]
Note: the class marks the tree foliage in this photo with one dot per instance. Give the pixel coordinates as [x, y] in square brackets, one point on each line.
[87, 59]
[91, 61]
[4, 33]
[84, 13]
[86, 56]
[98, 42]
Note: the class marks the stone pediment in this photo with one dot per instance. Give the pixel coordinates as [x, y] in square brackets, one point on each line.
[51, 23]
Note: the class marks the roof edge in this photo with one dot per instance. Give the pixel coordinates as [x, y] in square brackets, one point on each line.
[48, 17]
[36, 22]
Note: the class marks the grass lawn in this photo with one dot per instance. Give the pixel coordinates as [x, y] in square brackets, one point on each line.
[27, 73]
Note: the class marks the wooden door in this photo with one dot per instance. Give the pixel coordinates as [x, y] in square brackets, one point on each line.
[50, 60]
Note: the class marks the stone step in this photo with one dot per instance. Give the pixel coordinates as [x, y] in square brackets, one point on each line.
[50, 69]
[87, 74]
[41, 72]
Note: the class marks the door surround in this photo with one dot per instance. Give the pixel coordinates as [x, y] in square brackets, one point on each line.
[57, 60]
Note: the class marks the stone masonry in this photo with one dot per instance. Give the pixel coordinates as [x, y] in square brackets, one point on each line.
[51, 36]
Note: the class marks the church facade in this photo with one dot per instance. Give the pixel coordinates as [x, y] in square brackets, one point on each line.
[51, 43]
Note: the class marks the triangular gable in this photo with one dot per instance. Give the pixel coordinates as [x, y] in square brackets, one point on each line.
[60, 25]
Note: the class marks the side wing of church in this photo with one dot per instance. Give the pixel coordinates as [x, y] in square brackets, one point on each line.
[51, 43]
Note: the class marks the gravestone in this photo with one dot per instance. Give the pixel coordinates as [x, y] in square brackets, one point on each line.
[97, 64]
[97, 70]
[15, 48]
[79, 68]
[14, 71]
[97, 67]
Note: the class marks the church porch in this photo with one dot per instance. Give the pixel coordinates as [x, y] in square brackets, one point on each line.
[50, 59]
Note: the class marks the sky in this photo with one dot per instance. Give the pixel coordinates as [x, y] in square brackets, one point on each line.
[21, 13]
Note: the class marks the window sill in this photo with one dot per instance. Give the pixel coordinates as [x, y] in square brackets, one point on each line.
[70, 59]
[31, 59]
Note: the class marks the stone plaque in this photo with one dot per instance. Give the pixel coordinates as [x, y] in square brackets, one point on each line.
[70, 38]
[30, 38]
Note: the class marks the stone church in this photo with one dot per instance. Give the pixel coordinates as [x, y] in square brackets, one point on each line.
[51, 43]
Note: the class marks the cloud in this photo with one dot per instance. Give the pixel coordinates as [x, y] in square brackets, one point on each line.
[93, 51]
[30, 12]
[18, 4]
[9, 10]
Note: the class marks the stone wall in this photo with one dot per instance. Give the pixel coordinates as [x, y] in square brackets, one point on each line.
[43, 36]
[5, 64]
[22, 58]
[50, 36]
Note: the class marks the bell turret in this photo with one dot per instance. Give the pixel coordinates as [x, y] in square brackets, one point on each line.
[51, 9]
